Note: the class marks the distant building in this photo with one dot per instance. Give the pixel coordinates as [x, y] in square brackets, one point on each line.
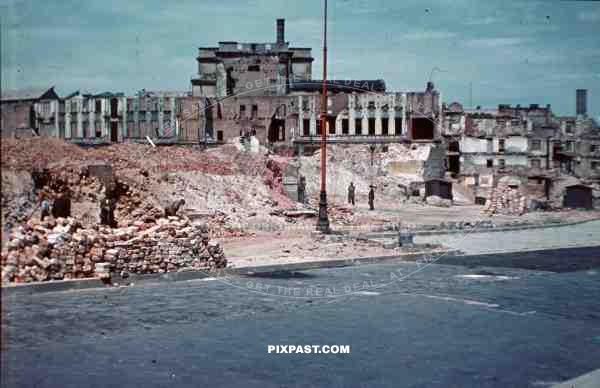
[20, 117]
[257, 69]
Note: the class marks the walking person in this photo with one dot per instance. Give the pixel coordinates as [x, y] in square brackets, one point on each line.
[351, 190]
[371, 198]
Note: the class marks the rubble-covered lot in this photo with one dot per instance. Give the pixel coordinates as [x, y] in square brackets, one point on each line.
[235, 203]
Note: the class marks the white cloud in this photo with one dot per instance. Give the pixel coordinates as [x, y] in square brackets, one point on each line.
[482, 21]
[494, 42]
[589, 16]
[427, 35]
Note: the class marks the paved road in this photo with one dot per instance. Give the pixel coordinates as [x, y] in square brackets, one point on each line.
[585, 234]
[451, 325]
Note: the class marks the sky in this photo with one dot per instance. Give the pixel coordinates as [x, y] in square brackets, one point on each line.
[485, 52]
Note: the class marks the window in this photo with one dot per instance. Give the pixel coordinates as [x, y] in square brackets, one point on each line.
[569, 127]
[371, 105]
[595, 165]
[490, 163]
[536, 163]
[253, 68]
[569, 146]
[398, 124]
[254, 111]
[219, 135]
[384, 125]
[358, 126]
[536, 145]
[501, 145]
[98, 106]
[593, 148]
[502, 163]
[306, 127]
[304, 103]
[371, 126]
[345, 129]
[242, 111]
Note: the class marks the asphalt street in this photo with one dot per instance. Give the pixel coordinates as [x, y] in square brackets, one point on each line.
[462, 323]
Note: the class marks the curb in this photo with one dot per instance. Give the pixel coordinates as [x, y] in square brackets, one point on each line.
[134, 279]
[472, 230]
[588, 380]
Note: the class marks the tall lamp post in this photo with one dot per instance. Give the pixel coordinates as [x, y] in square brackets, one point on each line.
[323, 222]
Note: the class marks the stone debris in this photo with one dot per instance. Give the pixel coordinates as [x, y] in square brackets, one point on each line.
[435, 200]
[506, 200]
[62, 248]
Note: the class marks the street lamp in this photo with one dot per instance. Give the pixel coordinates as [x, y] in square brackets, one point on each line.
[323, 222]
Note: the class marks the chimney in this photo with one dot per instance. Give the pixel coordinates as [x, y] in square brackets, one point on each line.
[581, 102]
[280, 31]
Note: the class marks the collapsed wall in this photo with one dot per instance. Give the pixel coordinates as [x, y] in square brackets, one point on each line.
[393, 169]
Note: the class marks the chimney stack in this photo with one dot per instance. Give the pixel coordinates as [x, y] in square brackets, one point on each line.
[280, 31]
[581, 102]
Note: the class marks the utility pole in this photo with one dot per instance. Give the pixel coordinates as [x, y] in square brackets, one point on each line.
[323, 222]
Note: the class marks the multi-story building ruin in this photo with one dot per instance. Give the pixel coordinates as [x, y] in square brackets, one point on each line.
[266, 90]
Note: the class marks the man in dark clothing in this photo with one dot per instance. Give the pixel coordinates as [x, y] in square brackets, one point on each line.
[371, 198]
[351, 189]
[301, 189]
[107, 212]
[62, 205]
[173, 207]
[45, 209]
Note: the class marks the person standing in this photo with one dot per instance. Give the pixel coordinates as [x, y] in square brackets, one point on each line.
[351, 190]
[371, 198]
[301, 189]
[45, 209]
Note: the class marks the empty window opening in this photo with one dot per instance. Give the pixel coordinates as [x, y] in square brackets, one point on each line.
[422, 129]
[331, 124]
[358, 125]
[371, 126]
[306, 127]
[345, 128]
[398, 125]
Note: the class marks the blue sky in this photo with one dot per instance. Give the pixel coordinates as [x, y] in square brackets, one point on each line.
[509, 51]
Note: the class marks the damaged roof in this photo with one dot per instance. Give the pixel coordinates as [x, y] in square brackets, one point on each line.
[347, 86]
[29, 94]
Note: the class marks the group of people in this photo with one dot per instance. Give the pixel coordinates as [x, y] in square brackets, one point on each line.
[60, 207]
[351, 192]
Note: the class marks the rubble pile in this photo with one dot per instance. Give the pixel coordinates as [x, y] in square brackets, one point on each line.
[64, 249]
[506, 200]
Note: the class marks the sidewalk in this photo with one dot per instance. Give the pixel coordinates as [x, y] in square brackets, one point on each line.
[584, 234]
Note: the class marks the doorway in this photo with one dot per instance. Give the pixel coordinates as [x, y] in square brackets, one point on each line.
[114, 131]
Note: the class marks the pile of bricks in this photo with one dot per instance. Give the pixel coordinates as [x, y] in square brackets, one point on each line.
[63, 249]
[506, 200]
